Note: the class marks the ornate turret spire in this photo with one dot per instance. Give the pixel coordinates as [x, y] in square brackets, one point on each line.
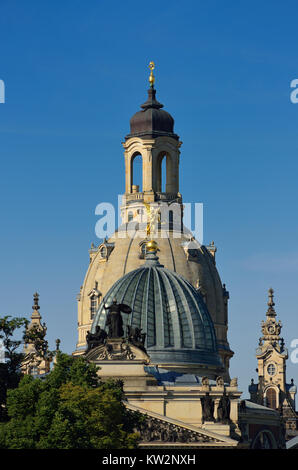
[35, 299]
[35, 314]
[58, 344]
[37, 356]
[271, 312]
[271, 328]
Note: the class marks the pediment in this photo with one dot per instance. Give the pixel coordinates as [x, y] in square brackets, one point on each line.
[158, 430]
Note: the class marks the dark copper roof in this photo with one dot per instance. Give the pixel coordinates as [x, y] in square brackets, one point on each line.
[152, 121]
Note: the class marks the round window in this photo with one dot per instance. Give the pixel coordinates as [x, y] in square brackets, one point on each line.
[271, 369]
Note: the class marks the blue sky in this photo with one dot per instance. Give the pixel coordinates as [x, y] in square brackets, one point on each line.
[76, 71]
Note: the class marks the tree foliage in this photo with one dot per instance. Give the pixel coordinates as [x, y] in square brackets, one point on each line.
[10, 372]
[68, 409]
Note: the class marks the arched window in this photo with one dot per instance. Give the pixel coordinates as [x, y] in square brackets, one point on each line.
[271, 398]
[164, 173]
[264, 440]
[171, 220]
[130, 216]
[137, 173]
[103, 252]
[164, 181]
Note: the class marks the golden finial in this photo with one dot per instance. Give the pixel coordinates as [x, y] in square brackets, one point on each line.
[151, 246]
[151, 78]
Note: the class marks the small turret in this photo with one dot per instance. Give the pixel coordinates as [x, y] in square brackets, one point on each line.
[272, 389]
[37, 357]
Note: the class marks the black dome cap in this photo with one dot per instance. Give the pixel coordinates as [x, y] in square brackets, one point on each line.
[152, 121]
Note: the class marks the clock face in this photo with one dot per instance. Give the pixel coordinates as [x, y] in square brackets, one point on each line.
[271, 369]
[271, 329]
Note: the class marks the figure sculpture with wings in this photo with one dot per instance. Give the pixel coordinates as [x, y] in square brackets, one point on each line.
[114, 319]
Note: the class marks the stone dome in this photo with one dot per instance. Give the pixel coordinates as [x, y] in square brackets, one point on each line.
[152, 121]
[179, 330]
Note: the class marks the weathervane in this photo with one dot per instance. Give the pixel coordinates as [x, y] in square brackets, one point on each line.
[151, 78]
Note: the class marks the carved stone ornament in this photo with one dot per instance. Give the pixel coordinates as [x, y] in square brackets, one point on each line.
[114, 352]
[271, 328]
[156, 430]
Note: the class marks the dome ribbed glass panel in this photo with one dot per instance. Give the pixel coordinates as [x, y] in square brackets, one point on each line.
[169, 310]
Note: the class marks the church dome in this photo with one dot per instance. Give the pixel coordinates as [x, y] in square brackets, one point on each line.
[179, 330]
[152, 121]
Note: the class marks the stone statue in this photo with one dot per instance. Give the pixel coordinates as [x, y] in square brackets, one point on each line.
[114, 319]
[223, 410]
[219, 381]
[234, 382]
[205, 381]
[95, 339]
[136, 337]
[208, 408]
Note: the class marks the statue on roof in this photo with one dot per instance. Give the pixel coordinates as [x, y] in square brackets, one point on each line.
[207, 408]
[95, 339]
[136, 337]
[223, 410]
[114, 319]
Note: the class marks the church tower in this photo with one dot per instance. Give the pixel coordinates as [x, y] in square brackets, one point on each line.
[153, 139]
[153, 205]
[272, 389]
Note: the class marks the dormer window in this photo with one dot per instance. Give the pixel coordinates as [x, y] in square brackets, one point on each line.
[103, 252]
[93, 305]
[95, 296]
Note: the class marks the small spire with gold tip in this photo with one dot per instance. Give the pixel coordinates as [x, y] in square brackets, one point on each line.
[151, 77]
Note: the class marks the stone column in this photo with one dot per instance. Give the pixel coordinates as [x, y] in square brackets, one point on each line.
[200, 418]
[234, 409]
[128, 172]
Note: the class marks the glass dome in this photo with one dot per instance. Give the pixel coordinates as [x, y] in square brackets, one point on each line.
[172, 313]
